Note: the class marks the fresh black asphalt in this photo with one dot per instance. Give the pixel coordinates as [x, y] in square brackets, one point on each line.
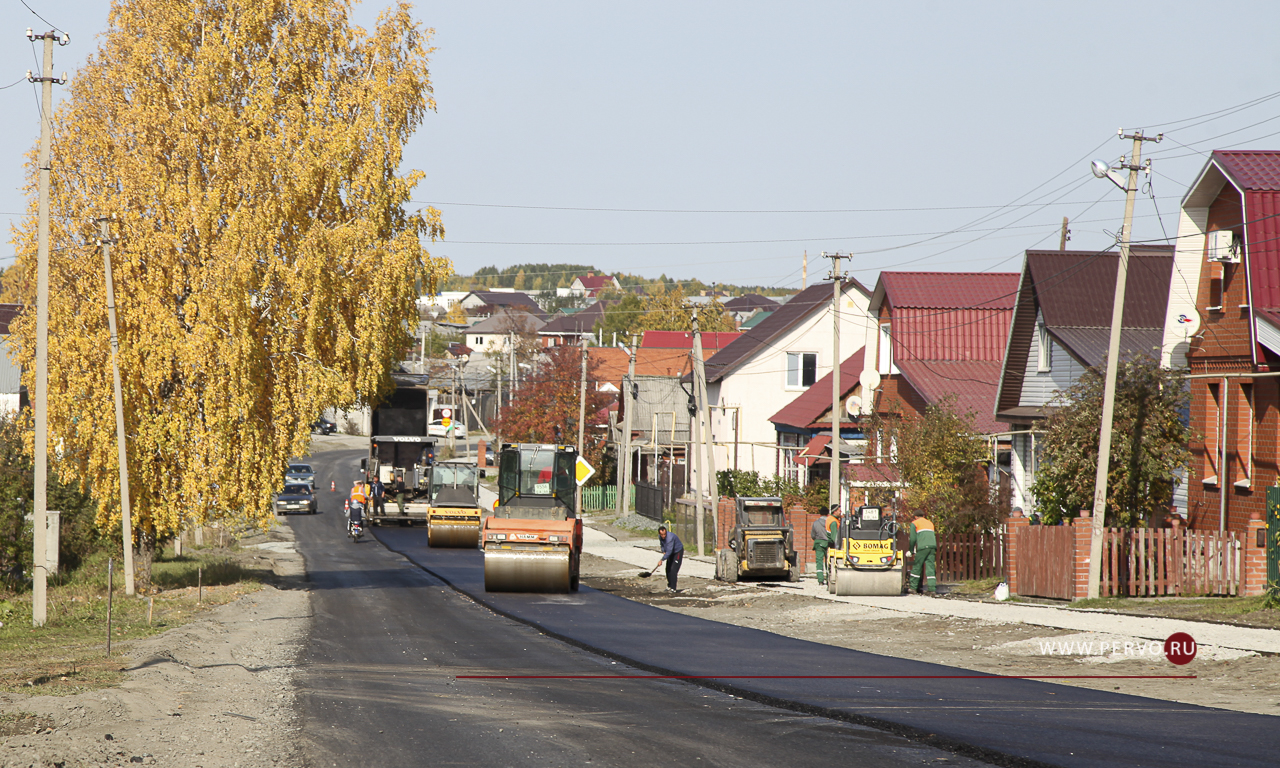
[1007, 720]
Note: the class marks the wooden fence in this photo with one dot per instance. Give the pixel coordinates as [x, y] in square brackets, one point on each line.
[971, 556]
[1046, 561]
[1165, 561]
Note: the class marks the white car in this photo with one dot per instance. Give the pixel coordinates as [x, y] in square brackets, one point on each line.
[438, 429]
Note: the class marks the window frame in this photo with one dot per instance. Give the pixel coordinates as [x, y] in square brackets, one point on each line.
[800, 357]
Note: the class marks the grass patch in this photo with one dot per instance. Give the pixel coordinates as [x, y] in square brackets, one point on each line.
[68, 654]
[976, 587]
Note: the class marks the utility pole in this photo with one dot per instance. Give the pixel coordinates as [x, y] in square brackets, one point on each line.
[1101, 170]
[582, 416]
[126, 515]
[1066, 235]
[708, 446]
[511, 355]
[837, 281]
[694, 461]
[453, 402]
[628, 401]
[40, 500]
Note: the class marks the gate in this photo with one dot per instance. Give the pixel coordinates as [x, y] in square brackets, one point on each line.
[970, 556]
[1272, 532]
[1046, 561]
[650, 500]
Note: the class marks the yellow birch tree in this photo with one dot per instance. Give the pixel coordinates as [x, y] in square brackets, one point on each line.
[249, 153]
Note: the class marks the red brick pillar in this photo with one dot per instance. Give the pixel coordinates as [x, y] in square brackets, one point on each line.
[801, 527]
[1254, 578]
[726, 513]
[1082, 526]
[1011, 528]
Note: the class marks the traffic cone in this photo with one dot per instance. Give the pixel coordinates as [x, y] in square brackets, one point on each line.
[333, 485]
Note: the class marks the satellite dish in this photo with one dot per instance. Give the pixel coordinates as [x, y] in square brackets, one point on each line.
[853, 405]
[1187, 322]
[870, 379]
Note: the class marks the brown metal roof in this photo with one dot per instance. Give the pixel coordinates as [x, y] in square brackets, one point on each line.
[1076, 288]
[1090, 345]
[812, 299]
[8, 313]
[577, 323]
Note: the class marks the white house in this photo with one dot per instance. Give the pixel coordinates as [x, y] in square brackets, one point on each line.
[773, 363]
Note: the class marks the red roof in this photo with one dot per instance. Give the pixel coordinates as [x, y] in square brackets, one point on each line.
[813, 452]
[1254, 171]
[816, 400]
[951, 290]
[595, 282]
[684, 340]
[864, 473]
[973, 383]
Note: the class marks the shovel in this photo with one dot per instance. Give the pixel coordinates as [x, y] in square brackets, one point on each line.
[647, 574]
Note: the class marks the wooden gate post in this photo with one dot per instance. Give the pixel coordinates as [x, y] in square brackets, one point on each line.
[1012, 526]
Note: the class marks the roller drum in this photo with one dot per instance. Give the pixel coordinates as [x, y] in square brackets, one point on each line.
[526, 570]
[450, 534]
[851, 581]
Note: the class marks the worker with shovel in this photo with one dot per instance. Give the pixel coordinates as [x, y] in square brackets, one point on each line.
[672, 553]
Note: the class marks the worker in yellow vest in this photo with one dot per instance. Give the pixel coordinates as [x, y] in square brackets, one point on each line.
[923, 541]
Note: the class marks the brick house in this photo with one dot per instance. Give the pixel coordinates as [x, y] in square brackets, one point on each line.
[1061, 327]
[1224, 323]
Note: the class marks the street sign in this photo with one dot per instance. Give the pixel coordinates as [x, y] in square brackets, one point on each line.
[583, 470]
[446, 421]
[446, 413]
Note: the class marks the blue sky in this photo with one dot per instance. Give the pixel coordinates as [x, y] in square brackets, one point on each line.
[739, 135]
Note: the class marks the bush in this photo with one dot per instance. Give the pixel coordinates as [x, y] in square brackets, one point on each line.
[741, 482]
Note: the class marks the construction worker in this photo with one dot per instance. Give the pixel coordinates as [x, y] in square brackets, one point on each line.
[923, 541]
[359, 498]
[673, 554]
[822, 539]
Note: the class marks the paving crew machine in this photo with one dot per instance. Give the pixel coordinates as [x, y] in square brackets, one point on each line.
[761, 544]
[865, 559]
[401, 455]
[453, 517]
[533, 540]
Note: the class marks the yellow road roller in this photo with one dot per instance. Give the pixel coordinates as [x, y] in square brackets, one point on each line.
[865, 559]
[453, 517]
[533, 540]
[761, 544]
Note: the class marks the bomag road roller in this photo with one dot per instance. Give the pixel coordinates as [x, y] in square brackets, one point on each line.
[865, 559]
[533, 540]
[761, 544]
[453, 517]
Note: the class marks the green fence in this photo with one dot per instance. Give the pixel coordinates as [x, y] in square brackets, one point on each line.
[604, 497]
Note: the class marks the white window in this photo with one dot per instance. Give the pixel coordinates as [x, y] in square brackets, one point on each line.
[802, 369]
[1044, 352]
[1213, 424]
[1244, 454]
[885, 356]
[479, 341]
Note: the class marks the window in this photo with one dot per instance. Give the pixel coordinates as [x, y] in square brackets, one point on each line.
[1244, 454]
[479, 341]
[1213, 425]
[1217, 279]
[1044, 352]
[802, 369]
[885, 357]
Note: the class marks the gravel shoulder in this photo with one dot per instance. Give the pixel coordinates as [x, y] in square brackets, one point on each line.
[216, 692]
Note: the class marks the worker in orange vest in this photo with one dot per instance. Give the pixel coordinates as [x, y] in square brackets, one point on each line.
[923, 541]
[359, 498]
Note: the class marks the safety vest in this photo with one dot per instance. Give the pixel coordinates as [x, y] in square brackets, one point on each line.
[922, 534]
[357, 494]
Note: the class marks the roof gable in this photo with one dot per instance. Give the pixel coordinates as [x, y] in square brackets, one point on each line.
[506, 320]
[950, 290]
[815, 401]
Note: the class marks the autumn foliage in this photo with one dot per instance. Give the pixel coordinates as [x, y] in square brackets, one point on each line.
[549, 399]
[249, 153]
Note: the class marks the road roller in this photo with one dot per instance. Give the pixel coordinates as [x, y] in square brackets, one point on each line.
[453, 517]
[761, 544]
[533, 540]
[865, 559]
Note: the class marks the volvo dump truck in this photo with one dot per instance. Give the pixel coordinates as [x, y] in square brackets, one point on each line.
[533, 540]
[761, 544]
[865, 559]
[401, 455]
[453, 517]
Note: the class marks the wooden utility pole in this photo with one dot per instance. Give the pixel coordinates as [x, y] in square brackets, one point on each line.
[837, 281]
[1066, 235]
[582, 417]
[708, 446]
[40, 500]
[1113, 354]
[693, 455]
[624, 461]
[126, 516]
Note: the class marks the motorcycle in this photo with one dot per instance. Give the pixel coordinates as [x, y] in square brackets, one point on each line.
[355, 530]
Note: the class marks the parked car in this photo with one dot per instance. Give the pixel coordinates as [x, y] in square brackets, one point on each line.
[323, 426]
[438, 429]
[300, 473]
[295, 497]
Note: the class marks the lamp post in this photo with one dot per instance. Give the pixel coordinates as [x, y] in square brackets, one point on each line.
[1102, 170]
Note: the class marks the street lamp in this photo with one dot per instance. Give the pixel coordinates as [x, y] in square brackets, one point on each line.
[1103, 170]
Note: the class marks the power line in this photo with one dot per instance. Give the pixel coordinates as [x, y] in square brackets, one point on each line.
[732, 211]
[38, 16]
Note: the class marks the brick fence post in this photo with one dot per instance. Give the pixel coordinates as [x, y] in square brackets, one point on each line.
[1011, 527]
[1082, 527]
[1254, 579]
[727, 513]
[801, 524]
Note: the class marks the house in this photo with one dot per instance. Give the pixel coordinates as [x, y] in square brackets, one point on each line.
[591, 284]
[683, 340]
[771, 364]
[1061, 326]
[808, 417]
[742, 307]
[486, 303]
[1224, 322]
[494, 333]
[572, 326]
[12, 396]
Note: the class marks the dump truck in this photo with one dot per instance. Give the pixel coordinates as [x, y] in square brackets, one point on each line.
[533, 540]
[454, 514]
[761, 544]
[865, 559]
